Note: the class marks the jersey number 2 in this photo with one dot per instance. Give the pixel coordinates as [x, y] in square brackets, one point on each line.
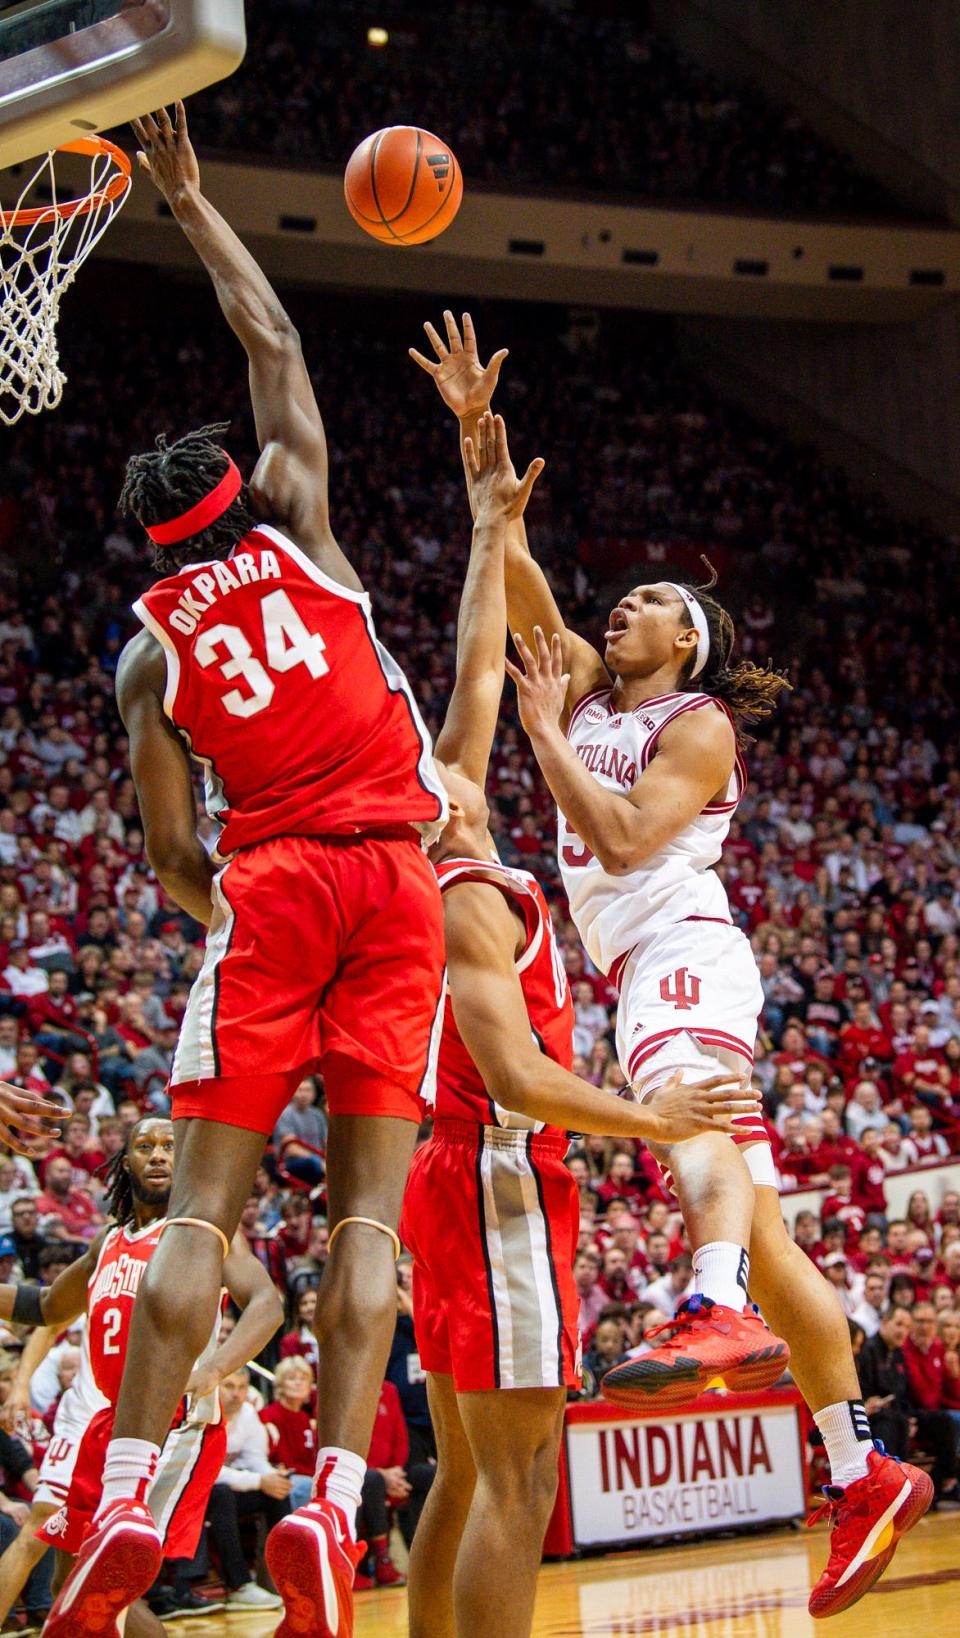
[287, 643]
[112, 1320]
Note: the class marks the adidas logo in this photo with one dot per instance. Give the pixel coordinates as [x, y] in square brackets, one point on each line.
[440, 166]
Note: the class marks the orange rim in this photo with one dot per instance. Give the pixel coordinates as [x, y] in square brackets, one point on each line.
[115, 188]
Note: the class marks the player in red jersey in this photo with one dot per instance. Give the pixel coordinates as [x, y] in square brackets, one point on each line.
[491, 1213]
[646, 808]
[103, 1285]
[325, 943]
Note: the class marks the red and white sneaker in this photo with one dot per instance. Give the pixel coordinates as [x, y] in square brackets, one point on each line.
[706, 1341]
[120, 1558]
[386, 1573]
[867, 1519]
[312, 1558]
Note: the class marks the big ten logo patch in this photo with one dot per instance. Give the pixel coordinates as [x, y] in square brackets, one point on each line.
[681, 989]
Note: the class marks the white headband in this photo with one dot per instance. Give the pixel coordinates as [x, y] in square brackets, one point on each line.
[700, 625]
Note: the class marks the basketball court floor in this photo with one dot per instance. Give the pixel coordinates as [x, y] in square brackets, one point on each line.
[750, 1587]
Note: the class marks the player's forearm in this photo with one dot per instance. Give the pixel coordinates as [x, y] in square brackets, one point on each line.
[544, 1090]
[37, 1347]
[482, 622]
[610, 826]
[250, 304]
[187, 875]
[260, 1320]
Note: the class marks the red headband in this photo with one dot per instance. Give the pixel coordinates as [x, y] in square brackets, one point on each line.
[203, 514]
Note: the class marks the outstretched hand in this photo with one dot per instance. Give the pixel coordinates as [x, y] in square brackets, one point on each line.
[166, 153]
[497, 491]
[542, 684]
[465, 385]
[713, 1106]
[25, 1119]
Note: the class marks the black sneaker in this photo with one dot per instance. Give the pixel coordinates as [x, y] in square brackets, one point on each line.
[188, 1603]
[162, 1604]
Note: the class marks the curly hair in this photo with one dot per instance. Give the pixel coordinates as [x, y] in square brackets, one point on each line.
[169, 480]
[118, 1188]
[749, 691]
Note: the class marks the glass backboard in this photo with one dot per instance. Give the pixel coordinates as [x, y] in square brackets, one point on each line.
[72, 67]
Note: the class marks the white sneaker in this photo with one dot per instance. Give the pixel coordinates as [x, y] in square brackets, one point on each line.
[252, 1597]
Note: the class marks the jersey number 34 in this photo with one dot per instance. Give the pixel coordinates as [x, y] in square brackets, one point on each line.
[287, 643]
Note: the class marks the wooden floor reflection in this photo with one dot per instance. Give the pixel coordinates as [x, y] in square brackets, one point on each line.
[751, 1587]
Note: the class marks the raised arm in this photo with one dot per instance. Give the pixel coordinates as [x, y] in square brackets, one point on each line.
[290, 483]
[491, 1015]
[693, 763]
[466, 738]
[163, 778]
[57, 1304]
[467, 387]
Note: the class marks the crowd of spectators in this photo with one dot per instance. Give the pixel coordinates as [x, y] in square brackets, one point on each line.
[581, 99]
[842, 865]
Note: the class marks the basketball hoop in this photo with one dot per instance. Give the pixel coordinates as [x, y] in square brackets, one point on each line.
[41, 248]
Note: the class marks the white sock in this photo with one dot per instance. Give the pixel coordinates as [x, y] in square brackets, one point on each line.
[846, 1434]
[721, 1270]
[127, 1471]
[339, 1477]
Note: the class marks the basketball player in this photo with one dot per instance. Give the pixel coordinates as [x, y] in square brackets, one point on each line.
[103, 1285]
[325, 944]
[641, 751]
[491, 1213]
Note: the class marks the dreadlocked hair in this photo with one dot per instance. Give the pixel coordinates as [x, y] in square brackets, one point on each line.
[169, 480]
[749, 691]
[118, 1188]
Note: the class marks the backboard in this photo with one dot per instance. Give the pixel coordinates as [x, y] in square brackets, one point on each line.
[69, 68]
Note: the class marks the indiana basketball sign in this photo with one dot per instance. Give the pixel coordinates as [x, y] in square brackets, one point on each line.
[633, 1480]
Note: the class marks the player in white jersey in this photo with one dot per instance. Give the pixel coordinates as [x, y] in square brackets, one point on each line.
[641, 750]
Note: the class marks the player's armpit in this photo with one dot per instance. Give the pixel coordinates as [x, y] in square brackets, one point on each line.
[530, 602]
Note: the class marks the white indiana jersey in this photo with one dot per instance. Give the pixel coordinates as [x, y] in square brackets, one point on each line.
[83, 1398]
[615, 914]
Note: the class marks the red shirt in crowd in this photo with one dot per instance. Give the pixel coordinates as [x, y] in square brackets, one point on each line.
[869, 1177]
[292, 1436]
[925, 1373]
[851, 1216]
[857, 1044]
[390, 1445]
[75, 1209]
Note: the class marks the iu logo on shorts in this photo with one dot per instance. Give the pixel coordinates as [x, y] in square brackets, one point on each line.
[685, 992]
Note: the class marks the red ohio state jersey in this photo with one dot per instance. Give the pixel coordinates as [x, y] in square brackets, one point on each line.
[111, 1295]
[304, 723]
[461, 1093]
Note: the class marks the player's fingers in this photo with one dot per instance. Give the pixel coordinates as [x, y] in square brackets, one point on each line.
[543, 650]
[424, 363]
[181, 113]
[150, 132]
[136, 127]
[165, 122]
[144, 163]
[469, 334]
[529, 479]
[433, 336]
[453, 334]
[513, 671]
[493, 368]
[471, 455]
[526, 654]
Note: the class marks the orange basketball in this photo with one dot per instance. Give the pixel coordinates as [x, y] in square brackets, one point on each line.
[403, 185]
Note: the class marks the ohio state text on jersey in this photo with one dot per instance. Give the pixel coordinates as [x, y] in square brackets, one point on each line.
[461, 1093]
[304, 723]
[616, 914]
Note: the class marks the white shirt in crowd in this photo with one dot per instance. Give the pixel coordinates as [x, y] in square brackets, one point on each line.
[868, 1317]
[247, 1451]
[662, 1295]
[26, 981]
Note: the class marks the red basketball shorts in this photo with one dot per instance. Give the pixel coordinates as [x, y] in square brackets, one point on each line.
[492, 1218]
[324, 953]
[190, 1463]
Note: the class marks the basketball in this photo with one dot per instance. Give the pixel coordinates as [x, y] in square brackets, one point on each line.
[403, 185]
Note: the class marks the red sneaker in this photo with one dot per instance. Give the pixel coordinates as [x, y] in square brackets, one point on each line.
[867, 1518]
[118, 1561]
[363, 1583]
[706, 1341]
[312, 1559]
[387, 1573]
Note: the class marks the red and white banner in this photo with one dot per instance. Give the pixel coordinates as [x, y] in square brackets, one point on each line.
[731, 1461]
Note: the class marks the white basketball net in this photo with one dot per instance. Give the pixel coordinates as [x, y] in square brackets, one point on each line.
[40, 251]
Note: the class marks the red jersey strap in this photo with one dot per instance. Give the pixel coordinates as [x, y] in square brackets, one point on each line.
[451, 872]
